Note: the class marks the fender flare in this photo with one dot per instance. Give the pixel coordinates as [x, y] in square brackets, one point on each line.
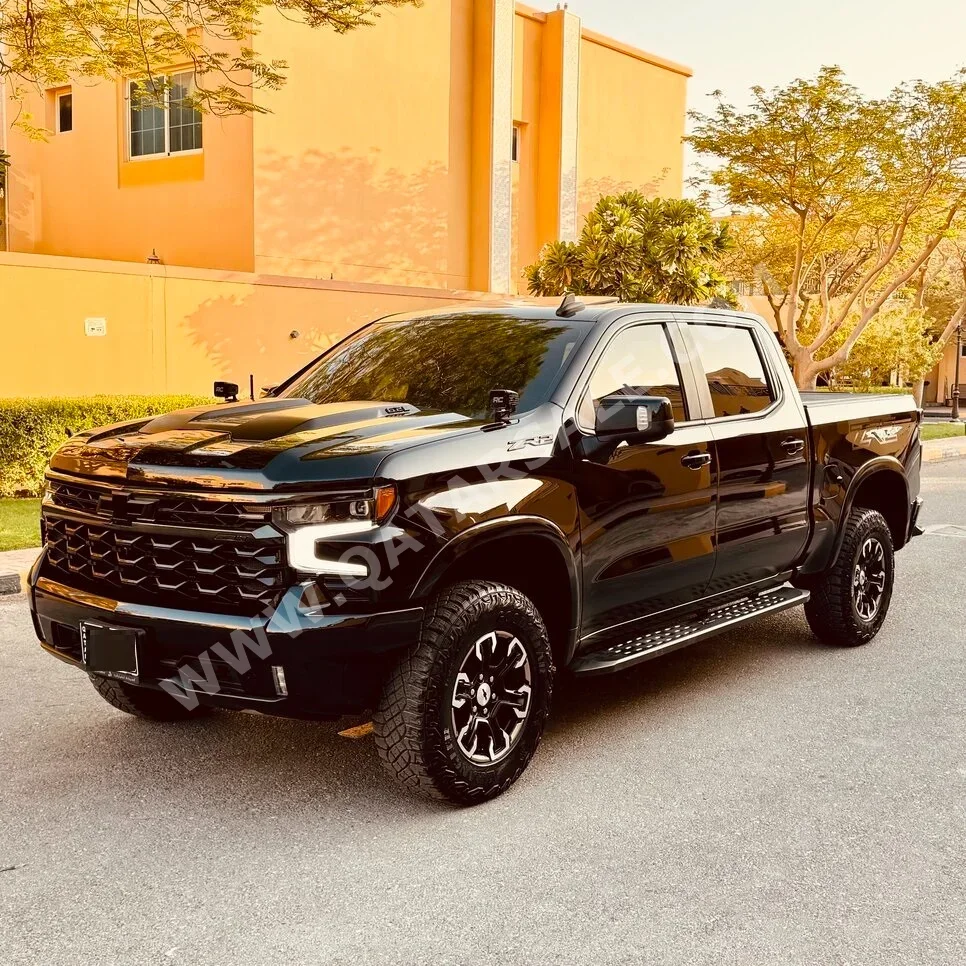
[491, 531]
[879, 464]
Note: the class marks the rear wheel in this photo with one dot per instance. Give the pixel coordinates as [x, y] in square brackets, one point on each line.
[462, 714]
[850, 605]
[144, 702]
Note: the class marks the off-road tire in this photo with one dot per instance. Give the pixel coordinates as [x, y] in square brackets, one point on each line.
[831, 611]
[144, 702]
[413, 723]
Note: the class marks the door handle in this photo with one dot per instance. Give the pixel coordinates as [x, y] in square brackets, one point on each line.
[694, 461]
[794, 447]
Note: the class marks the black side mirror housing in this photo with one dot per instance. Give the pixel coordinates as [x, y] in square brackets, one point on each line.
[634, 419]
[227, 391]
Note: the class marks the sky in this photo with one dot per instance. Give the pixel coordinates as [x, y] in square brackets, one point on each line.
[731, 47]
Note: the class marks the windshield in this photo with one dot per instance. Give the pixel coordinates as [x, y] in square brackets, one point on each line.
[446, 363]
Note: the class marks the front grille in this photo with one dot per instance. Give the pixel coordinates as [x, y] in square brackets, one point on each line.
[146, 507]
[154, 548]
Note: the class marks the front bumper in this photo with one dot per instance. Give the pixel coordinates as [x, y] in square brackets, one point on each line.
[332, 664]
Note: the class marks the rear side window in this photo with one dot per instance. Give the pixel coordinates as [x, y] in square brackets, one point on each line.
[737, 378]
[637, 362]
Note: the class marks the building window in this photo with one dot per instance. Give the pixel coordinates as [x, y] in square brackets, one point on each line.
[515, 144]
[65, 112]
[161, 123]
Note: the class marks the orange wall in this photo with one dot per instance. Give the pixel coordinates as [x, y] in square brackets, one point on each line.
[172, 329]
[373, 164]
[632, 112]
[362, 170]
[75, 194]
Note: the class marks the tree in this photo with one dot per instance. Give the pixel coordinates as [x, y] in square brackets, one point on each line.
[44, 43]
[897, 342]
[844, 200]
[640, 250]
[943, 289]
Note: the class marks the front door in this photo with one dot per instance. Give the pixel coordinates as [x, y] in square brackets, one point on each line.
[647, 511]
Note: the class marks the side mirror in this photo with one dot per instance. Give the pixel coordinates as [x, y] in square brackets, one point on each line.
[636, 419]
[227, 391]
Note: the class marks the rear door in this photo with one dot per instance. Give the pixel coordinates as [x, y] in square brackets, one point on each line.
[762, 442]
[646, 510]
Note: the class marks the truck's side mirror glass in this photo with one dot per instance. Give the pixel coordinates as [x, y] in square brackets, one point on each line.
[227, 391]
[637, 419]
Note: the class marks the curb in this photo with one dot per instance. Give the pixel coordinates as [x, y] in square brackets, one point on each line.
[14, 567]
[938, 450]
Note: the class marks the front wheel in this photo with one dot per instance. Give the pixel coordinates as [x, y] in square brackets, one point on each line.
[144, 702]
[462, 714]
[850, 605]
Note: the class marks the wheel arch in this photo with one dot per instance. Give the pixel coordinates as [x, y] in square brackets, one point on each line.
[879, 485]
[528, 553]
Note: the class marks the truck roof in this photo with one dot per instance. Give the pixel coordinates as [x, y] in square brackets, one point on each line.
[595, 308]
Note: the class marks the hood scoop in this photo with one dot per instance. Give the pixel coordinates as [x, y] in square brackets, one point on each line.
[273, 419]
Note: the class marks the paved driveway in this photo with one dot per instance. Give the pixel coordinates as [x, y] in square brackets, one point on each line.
[753, 799]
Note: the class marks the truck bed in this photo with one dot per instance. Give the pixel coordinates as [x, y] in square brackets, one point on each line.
[835, 407]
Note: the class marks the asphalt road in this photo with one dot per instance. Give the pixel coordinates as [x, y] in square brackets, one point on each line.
[753, 799]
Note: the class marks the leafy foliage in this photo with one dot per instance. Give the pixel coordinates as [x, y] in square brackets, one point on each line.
[640, 250]
[32, 428]
[843, 200]
[897, 342]
[44, 43]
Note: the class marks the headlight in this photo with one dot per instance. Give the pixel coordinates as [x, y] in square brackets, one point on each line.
[308, 524]
[342, 515]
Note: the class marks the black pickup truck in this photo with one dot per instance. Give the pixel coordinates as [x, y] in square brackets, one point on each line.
[444, 510]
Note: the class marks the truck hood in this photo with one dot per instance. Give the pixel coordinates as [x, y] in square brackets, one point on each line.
[264, 445]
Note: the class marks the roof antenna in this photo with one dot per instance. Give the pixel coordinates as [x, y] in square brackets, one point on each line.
[570, 306]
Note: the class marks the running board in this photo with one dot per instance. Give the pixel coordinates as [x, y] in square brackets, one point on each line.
[662, 640]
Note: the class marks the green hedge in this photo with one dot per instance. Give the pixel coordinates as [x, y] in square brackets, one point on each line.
[32, 428]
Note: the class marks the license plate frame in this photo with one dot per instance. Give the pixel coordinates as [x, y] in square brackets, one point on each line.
[111, 651]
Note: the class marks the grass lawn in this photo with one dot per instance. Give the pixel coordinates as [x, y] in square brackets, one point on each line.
[942, 430]
[19, 524]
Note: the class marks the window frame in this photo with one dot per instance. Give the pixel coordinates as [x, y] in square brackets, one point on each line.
[66, 92]
[128, 110]
[668, 326]
[775, 383]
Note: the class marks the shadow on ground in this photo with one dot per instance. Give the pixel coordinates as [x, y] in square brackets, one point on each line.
[272, 766]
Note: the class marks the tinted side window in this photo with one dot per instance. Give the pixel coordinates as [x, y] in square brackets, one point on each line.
[637, 362]
[736, 373]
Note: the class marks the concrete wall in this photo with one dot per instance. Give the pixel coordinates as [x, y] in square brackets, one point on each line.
[172, 330]
[362, 168]
[78, 194]
[943, 377]
[384, 158]
[632, 114]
